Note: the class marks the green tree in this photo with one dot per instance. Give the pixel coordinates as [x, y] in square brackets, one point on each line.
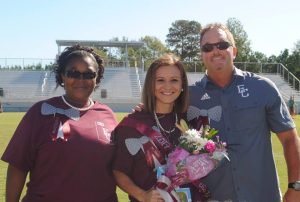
[118, 54]
[272, 59]
[241, 39]
[183, 39]
[297, 46]
[153, 49]
[115, 53]
[257, 57]
[283, 57]
[102, 52]
[293, 61]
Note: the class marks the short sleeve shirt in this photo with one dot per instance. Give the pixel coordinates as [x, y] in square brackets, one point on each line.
[68, 160]
[244, 112]
[135, 166]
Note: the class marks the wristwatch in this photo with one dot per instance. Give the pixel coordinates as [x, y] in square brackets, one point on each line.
[295, 185]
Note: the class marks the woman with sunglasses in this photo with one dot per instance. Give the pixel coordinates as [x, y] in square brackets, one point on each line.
[144, 138]
[64, 142]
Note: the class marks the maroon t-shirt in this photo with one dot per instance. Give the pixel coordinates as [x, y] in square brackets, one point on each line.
[68, 160]
[135, 166]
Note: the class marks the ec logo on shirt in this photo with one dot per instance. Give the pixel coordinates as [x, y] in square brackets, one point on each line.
[243, 91]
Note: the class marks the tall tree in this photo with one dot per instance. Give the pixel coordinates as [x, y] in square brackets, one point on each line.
[153, 48]
[102, 52]
[297, 46]
[283, 57]
[183, 39]
[272, 59]
[241, 39]
[257, 57]
[293, 61]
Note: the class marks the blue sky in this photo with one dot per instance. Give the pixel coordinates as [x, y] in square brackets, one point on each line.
[29, 28]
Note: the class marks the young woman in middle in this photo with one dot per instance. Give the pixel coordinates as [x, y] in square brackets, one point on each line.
[145, 138]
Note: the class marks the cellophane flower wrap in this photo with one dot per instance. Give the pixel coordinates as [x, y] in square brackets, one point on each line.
[197, 154]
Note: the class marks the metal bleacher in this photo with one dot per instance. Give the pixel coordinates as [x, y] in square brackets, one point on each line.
[193, 77]
[20, 84]
[116, 82]
[285, 89]
[120, 87]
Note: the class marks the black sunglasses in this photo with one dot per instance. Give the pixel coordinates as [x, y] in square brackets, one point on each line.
[77, 75]
[208, 47]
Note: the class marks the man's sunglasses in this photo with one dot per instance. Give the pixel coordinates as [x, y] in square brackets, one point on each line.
[208, 47]
[77, 75]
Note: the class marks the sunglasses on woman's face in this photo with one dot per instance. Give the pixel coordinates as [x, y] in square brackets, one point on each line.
[80, 75]
[208, 47]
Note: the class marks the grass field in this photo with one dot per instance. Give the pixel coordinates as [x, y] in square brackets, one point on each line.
[9, 121]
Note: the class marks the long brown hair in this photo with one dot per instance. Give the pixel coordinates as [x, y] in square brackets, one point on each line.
[148, 95]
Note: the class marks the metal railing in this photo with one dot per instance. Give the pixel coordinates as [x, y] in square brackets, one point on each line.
[196, 66]
[47, 64]
[275, 68]
[33, 64]
[26, 64]
[289, 77]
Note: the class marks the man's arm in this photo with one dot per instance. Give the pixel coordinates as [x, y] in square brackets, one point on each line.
[15, 180]
[291, 147]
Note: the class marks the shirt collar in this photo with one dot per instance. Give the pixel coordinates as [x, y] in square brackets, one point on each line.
[205, 80]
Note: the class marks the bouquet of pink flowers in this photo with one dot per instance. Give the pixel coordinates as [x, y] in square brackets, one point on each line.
[195, 156]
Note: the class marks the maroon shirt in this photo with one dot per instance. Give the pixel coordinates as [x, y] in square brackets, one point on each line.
[75, 170]
[135, 166]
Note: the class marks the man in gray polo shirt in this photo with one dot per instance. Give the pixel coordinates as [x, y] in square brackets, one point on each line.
[245, 108]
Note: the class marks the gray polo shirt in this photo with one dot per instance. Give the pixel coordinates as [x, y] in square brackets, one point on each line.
[244, 112]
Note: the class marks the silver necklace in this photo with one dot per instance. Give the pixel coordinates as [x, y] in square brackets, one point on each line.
[77, 108]
[160, 126]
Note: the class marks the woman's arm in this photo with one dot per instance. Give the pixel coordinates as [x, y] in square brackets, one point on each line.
[127, 185]
[15, 180]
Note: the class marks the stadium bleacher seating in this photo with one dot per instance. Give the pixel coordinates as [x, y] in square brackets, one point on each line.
[119, 86]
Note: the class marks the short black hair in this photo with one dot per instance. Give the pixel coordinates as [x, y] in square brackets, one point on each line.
[77, 51]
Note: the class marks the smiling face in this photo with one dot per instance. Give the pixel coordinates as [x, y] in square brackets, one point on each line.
[218, 61]
[78, 90]
[168, 85]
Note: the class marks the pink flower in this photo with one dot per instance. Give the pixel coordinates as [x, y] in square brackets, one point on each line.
[210, 146]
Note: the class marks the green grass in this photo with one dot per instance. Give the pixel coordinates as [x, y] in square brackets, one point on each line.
[9, 122]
